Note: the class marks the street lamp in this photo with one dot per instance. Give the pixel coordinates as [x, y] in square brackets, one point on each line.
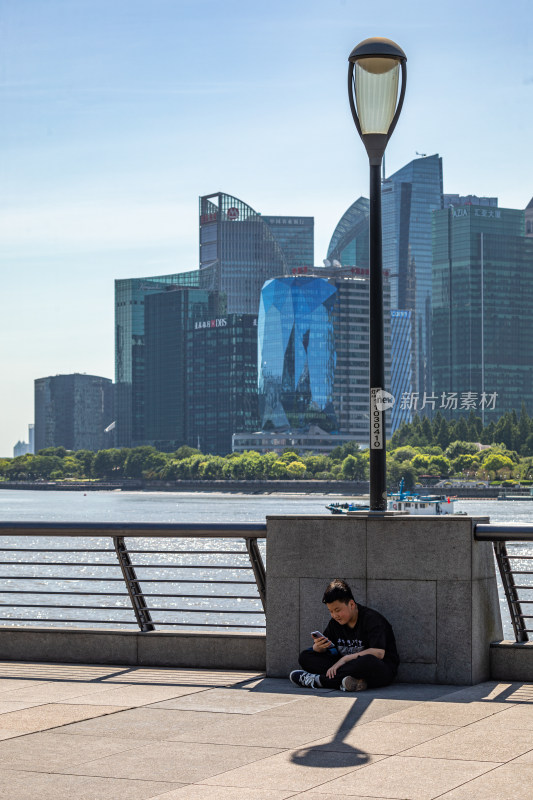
[373, 78]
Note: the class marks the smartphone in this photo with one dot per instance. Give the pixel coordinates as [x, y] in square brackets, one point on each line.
[318, 635]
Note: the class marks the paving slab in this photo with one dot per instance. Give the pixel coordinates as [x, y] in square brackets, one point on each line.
[229, 701]
[383, 737]
[476, 743]
[131, 695]
[516, 716]
[202, 792]
[9, 705]
[48, 671]
[182, 762]
[448, 713]
[50, 752]
[52, 692]
[298, 770]
[140, 723]
[31, 785]
[8, 684]
[507, 782]
[182, 677]
[323, 795]
[256, 731]
[408, 778]
[43, 717]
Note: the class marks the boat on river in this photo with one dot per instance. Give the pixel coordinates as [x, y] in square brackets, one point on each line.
[405, 502]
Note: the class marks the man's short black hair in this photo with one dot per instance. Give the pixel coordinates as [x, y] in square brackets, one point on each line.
[337, 589]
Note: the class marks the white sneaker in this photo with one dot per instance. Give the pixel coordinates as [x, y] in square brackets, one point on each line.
[302, 678]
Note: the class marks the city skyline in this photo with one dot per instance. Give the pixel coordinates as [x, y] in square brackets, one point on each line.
[116, 117]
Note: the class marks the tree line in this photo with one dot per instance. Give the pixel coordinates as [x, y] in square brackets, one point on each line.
[418, 452]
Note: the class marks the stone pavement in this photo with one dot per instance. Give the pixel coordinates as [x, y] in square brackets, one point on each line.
[107, 733]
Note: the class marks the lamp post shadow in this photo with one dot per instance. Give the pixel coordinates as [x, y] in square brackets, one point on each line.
[337, 752]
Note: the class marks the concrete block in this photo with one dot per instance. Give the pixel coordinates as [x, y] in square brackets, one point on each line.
[411, 608]
[70, 645]
[435, 548]
[202, 650]
[313, 546]
[283, 625]
[482, 560]
[511, 661]
[417, 673]
[454, 632]
[486, 623]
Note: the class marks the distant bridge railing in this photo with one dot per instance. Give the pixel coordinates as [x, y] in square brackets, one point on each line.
[516, 570]
[144, 574]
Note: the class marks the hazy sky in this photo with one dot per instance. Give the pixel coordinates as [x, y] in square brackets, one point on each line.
[117, 114]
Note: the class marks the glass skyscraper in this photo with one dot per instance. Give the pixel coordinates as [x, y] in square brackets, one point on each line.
[482, 320]
[167, 317]
[130, 384]
[240, 249]
[296, 354]
[221, 380]
[313, 346]
[409, 198]
[401, 380]
[349, 243]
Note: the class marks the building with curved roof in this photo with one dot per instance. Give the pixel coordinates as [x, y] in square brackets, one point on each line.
[349, 243]
[240, 249]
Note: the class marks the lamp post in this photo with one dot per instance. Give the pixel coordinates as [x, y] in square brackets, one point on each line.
[373, 78]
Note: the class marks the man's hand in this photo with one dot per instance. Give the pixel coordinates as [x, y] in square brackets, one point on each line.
[320, 645]
[332, 671]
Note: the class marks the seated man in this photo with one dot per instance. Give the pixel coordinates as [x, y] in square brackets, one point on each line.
[357, 650]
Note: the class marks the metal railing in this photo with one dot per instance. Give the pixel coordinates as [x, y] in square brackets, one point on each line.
[513, 562]
[180, 573]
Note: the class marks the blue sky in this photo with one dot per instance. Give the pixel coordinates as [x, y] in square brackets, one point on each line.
[115, 115]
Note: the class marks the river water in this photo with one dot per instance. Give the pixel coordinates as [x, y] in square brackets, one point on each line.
[205, 603]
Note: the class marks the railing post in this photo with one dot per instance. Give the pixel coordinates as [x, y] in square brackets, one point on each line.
[133, 586]
[258, 568]
[509, 587]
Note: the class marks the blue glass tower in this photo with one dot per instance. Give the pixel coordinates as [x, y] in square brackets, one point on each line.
[296, 354]
[409, 197]
[401, 366]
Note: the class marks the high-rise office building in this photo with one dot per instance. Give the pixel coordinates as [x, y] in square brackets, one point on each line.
[240, 249]
[349, 243]
[297, 354]
[314, 353]
[130, 295]
[468, 200]
[221, 380]
[73, 411]
[409, 198]
[402, 367]
[167, 317]
[482, 320]
[529, 218]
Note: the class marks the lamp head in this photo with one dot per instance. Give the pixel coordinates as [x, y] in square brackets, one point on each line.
[373, 78]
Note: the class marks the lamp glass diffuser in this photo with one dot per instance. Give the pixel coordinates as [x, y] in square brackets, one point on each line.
[376, 92]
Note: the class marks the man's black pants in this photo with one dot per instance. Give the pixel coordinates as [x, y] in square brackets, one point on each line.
[375, 671]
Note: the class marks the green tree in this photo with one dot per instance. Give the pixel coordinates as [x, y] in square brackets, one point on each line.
[86, 460]
[459, 448]
[353, 468]
[185, 451]
[296, 469]
[405, 453]
[278, 470]
[439, 464]
[109, 463]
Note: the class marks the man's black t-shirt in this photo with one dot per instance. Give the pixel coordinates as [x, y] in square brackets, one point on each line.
[370, 630]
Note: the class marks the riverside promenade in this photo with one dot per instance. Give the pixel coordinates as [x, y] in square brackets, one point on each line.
[95, 732]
